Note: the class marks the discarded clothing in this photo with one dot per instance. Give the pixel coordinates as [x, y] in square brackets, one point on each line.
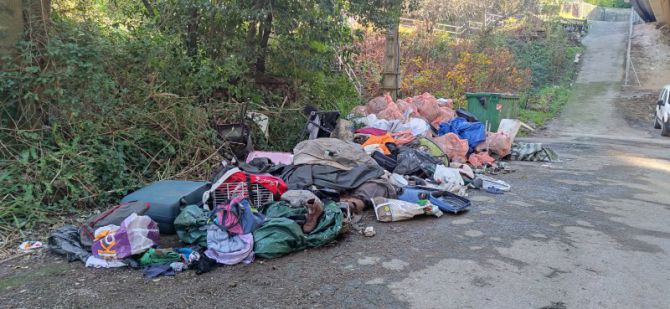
[190, 225]
[281, 235]
[371, 131]
[65, 241]
[189, 255]
[298, 198]
[204, 265]
[533, 152]
[154, 271]
[473, 132]
[391, 210]
[178, 266]
[229, 249]
[159, 256]
[331, 152]
[306, 176]
[95, 262]
[237, 217]
[374, 188]
[381, 141]
[135, 235]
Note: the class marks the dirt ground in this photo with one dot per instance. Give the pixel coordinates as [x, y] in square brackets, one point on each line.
[590, 231]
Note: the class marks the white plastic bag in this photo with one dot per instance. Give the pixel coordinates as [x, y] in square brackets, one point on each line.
[390, 210]
[449, 179]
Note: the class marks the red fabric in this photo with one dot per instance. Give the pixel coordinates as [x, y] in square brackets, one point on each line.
[371, 131]
[272, 183]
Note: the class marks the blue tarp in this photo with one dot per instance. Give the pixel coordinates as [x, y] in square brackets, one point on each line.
[473, 132]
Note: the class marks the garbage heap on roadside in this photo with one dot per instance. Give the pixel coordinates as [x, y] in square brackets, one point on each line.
[413, 157]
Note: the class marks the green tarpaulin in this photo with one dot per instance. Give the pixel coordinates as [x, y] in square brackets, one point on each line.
[280, 235]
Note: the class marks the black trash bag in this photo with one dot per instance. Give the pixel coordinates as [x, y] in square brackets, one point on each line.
[65, 241]
[387, 162]
[415, 162]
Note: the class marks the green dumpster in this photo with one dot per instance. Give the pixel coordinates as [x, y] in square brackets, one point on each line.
[491, 107]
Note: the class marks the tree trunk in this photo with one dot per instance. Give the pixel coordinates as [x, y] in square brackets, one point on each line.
[264, 33]
[150, 9]
[11, 25]
[192, 33]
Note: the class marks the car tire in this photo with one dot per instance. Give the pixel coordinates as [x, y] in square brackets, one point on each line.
[657, 125]
[665, 130]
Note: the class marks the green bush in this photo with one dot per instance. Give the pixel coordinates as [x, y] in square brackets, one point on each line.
[610, 3]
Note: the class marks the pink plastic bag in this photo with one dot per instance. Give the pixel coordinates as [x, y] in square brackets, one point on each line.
[406, 108]
[444, 115]
[135, 235]
[360, 110]
[499, 143]
[378, 104]
[427, 106]
[454, 147]
[480, 159]
[391, 112]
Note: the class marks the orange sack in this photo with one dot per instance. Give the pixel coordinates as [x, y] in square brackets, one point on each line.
[454, 147]
[381, 140]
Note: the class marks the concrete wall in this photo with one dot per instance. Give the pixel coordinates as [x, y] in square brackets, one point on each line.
[11, 24]
[580, 9]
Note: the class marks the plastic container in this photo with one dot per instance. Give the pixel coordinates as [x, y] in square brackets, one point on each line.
[446, 201]
[166, 198]
[491, 107]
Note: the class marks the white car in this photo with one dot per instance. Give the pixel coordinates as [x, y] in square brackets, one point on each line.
[662, 116]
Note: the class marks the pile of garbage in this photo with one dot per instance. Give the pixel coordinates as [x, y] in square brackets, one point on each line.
[401, 159]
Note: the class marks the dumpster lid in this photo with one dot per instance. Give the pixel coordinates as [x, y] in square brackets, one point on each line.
[498, 94]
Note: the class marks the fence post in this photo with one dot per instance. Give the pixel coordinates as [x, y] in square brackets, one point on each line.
[630, 38]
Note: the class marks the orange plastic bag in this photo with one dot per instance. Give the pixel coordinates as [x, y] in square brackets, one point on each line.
[376, 105]
[454, 147]
[403, 137]
[480, 159]
[405, 106]
[427, 106]
[391, 112]
[499, 143]
[444, 115]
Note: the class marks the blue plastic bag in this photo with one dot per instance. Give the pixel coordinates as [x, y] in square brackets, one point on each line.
[473, 132]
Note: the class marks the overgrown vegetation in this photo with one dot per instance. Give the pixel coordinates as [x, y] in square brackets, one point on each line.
[121, 93]
[528, 57]
[610, 3]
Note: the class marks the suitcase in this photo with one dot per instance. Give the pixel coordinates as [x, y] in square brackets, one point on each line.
[166, 198]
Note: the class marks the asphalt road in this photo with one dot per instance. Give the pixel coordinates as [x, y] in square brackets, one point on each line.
[589, 232]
